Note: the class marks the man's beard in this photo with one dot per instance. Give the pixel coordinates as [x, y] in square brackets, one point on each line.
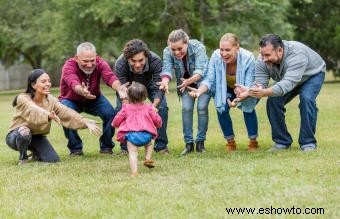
[85, 71]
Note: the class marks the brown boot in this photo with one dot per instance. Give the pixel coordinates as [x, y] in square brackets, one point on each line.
[149, 163]
[253, 145]
[231, 145]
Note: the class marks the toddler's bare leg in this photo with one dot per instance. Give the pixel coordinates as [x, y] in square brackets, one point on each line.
[148, 151]
[133, 154]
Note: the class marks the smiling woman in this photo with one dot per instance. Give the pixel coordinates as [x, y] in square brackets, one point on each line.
[188, 59]
[231, 70]
[35, 109]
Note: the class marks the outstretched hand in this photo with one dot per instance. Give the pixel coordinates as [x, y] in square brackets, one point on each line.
[241, 91]
[122, 90]
[257, 91]
[155, 108]
[184, 85]
[93, 127]
[86, 93]
[234, 102]
[195, 93]
[54, 117]
[163, 85]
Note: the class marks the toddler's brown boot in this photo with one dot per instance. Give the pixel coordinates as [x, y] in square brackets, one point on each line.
[149, 163]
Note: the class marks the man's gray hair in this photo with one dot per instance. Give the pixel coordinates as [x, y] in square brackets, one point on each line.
[85, 46]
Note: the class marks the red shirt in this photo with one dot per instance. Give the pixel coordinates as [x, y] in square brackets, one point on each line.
[72, 75]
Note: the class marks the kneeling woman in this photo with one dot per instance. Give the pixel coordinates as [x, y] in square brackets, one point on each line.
[35, 109]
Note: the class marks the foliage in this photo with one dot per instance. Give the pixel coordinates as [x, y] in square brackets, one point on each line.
[317, 24]
[45, 33]
[24, 34]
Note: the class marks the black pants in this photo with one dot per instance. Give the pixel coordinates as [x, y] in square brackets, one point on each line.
[41, 148]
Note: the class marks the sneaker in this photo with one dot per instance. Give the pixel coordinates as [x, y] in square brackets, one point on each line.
[164, 151]
[106, 151]
[149, 163]
[308, 149]
[122, 153]
[22, 162]
[277, 149]
[76, 153]
[33, 157]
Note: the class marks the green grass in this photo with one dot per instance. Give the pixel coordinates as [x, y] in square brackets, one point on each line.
[195, 186]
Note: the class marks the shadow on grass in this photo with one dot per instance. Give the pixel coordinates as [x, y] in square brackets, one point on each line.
[332, 82]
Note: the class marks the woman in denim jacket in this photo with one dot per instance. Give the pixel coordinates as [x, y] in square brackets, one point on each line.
[230, 69]
[189, 60]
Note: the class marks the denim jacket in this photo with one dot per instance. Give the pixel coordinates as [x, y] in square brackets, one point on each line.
[216, 82]
[197, 61]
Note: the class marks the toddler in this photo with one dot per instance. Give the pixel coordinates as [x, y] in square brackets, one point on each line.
[137, 124]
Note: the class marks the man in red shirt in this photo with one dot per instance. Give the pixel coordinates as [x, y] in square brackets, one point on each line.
[80, 91]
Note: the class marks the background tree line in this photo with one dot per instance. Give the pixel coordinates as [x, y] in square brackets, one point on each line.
[44, 33]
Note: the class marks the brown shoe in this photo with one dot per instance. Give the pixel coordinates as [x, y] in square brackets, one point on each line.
[231, 145]
[149, 163]
[76, 153]
[253, 145]
[106, 151]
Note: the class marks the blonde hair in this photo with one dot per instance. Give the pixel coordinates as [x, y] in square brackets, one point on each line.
[177, 35]
[233, 38]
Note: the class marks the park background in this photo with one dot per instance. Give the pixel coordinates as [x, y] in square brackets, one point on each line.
[43, 34]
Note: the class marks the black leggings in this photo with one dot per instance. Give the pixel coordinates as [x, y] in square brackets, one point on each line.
[41, 148]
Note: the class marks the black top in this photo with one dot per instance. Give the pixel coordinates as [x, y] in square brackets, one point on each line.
[148, 77]
[186, 72]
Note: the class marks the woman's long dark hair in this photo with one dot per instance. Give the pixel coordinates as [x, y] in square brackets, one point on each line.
[32, 79]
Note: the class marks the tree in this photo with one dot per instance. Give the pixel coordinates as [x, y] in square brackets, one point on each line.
[317, 25]
[23, 34]
[46, 33]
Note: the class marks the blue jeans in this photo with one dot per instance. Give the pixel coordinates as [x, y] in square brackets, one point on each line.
[308, 92]
[98, 107]
[226, 123]
[161, 141]
[188, 104]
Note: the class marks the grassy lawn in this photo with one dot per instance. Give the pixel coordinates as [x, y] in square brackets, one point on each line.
[195, 186]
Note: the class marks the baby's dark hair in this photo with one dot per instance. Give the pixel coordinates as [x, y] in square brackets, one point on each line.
[137, 93]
